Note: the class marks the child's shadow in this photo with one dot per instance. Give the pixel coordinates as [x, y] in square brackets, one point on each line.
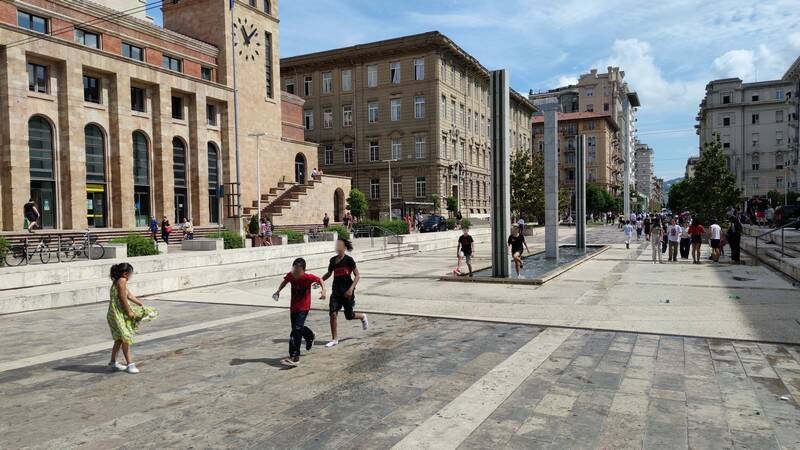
[274, 362]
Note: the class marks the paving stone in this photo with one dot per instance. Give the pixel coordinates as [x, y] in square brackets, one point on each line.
[666, 394]
[630, 404]
[753, 441]
[710, 438]
[555, 405]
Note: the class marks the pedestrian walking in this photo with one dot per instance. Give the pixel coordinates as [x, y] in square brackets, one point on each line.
[656, 235]
[686, 242]
[154, 229]
[465, 249]
[646, 224]
[696, 232]
[166, 229]
[326, 220]
[715, 234]
[342, 266]
[32, 215]
[674, 237]
[628, 230]
[639, 228]
[517, 241]
[125, 313]
[734, 235]
[299, 306]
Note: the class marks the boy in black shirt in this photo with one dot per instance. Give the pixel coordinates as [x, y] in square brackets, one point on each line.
[466, 248]
[342, 294]
[517, 241]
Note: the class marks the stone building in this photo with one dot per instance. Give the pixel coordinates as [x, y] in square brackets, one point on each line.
[418, 101]
[754, 122]
[109, 122]
[691, 162]
[602, 150]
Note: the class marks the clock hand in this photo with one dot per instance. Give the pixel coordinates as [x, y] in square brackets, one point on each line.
[250, 36]
[244, 34]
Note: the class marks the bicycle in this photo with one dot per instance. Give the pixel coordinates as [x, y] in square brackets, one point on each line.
[82, 248]
[19, 253]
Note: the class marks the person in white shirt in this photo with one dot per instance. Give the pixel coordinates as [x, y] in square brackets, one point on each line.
[673, 237]
[628, 230]
[715, 231]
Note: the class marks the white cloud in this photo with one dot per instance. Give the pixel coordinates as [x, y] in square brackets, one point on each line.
[749, 65]
[794, 41]
[566, 80]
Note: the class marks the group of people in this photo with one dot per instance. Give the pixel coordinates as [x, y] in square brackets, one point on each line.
[682, 235]
[166, 228]
[126, 312]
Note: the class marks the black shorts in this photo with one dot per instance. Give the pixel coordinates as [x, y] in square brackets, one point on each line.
[715, 243]
[339, 302]
[696, 239]
[31, 217]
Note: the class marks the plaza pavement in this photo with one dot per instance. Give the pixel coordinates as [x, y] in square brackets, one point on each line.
[211, 376]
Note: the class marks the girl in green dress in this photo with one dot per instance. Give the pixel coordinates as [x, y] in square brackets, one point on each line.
[125, 312]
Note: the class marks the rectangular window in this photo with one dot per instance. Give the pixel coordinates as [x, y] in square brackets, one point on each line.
[397, 187]
[590, 92]
[207, 74]
[374, 151]
[452, 111]
[372, 112]
[779, 138]
[754, 97]
[268, 72]
[347, 115]
[347, 80]
[754, 119]
[327, 83]
[779, 182]
[348, 153]
[138, 99]
[469, 119]
[419, 107]
[419, 147]
[290, 86]
[755, 183]
[37, 78]
[328, 155]
[462, 118]
[394, 72]
[443, 111]
[590, 108]
[421, 187]
[327, 118]
[171, 63]
[374, 189]
[308, 85]
[308, 119]
[372, 76]
[452, 75]
[91, 89]
[395, 109]
[726, 121]
[605, 106]
[177, 107]
[726, 98]
[419, 69]
[132, 52]
[780, 94]
[779, 116]
[397, 149]
[443, 150]
[87, 38]
[477, 124]
[32, 22]
[211, 114]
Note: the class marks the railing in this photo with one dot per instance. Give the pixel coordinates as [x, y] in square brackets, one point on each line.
[783, 234]
[66, 249]
[373, 231]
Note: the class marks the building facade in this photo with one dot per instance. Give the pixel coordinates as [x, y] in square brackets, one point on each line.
[415, 106]
[691, 162]
[644, 170]
[602, 150]
[113, 123]
[753, 122]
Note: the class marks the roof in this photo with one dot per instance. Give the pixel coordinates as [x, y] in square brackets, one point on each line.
[793, 72]
[565, 117]
[522, 100]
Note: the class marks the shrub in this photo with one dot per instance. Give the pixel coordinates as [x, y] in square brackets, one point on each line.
[137, 245]
[253, 227]
[451, 224]
[394, 226]
[466, 223]
[341, 229]
[294, 237]
[357, 203]
[230, 239]
[3, 250]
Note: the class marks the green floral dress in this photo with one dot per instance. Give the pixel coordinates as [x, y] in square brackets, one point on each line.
[123, 328]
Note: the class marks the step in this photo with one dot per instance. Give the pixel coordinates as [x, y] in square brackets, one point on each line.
[769, 255]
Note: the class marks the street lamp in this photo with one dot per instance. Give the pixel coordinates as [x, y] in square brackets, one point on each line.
[258, 137]
[391, 194]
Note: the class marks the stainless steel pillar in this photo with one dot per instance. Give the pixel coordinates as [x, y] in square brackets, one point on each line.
[580, 193]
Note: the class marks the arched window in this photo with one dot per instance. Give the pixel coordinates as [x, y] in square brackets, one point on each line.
[141, 160]
[300, 168]
[95, 154]
[179, 176]
[42, 170]
[213, 182]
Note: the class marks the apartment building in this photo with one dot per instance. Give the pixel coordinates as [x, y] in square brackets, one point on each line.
[416, 106]
[603, 157]
[644, 170]
[691, 162]
[755, 124]
[108, 120]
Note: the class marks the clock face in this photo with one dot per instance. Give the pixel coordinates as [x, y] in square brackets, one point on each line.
[246, 42]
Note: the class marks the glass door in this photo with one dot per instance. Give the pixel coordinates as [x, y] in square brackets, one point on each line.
[96, 205]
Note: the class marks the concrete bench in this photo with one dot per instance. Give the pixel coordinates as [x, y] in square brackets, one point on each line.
[202, 245]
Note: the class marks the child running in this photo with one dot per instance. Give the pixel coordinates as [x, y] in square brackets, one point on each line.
[343, 291]
[465, 249]
[124, 318]
[516, 241]
[300, 305]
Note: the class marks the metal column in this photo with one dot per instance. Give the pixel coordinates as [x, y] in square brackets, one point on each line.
[501, 175]
[580, 193]
[551, 218]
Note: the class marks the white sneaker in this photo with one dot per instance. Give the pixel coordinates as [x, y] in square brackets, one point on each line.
[132, 368]
[332, 343]
[115, 366]
[365, 322]
[520, 277]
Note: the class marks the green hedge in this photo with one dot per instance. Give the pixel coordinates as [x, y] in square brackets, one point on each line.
[451, 224]
[466, 223]
[230, 239]
[394, 226]
[3, 250]
[294, 237]
[137, 245]
[340, 229]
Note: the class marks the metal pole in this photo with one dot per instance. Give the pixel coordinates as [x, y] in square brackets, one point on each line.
[391, 184]
[258, 169]
[236, 128]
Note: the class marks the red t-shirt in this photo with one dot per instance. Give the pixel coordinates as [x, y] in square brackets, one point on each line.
[697, 229]
[301, 290]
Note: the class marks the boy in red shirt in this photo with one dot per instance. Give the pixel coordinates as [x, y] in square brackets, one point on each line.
[300, 305]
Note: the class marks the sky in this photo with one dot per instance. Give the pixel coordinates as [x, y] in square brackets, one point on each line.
[668, 50]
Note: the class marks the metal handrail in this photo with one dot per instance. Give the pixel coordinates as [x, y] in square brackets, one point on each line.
[783, 234]
[371, 229]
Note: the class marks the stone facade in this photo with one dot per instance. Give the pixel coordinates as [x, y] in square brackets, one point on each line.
[163, 106]
[755, 124]
[420, 100]
[644, 170]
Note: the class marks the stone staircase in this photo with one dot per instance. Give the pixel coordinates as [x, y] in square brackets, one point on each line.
[784, 259]
[284, 196]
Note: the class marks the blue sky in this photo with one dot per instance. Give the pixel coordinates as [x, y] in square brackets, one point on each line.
[668, 50]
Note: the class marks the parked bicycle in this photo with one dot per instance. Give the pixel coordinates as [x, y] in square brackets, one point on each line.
[21, 253]
[88, 247]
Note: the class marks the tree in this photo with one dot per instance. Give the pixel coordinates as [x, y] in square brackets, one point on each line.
[595, 200]
[357, 203]
[437, 203]
[527, 185]
[713, 188]
[452, 204]
[679, 195]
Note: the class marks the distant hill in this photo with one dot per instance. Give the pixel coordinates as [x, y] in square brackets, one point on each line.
[666, 187]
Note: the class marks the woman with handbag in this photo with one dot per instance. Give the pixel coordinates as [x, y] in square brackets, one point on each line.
[166, 229]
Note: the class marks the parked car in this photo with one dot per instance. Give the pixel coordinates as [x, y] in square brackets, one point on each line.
[786, 213]
[433, 223]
